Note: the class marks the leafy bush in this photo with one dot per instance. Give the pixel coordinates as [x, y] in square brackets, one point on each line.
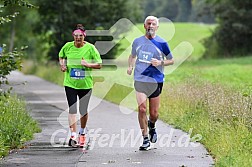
[16, 125]
[233, 35]
[8, 62]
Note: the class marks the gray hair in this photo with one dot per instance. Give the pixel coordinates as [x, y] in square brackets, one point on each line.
[151, 18]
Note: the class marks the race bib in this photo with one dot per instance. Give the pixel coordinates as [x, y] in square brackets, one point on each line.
[77, 73]
[145, 57]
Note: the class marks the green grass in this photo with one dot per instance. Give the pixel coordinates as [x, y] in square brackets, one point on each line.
[17, 126]
[49, 71]
[212, 97]
[233, 72]
[190, 33]
[219, 114]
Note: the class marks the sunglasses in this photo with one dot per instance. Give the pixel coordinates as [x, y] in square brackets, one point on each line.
[78, 35]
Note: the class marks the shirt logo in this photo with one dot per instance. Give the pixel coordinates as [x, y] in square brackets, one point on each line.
[145, 57]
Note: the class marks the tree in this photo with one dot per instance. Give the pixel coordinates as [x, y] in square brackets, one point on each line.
[15, 33]
[185, 7]
[11, 60]
[202, 12]
[160, 8]
[180, 10]
[233, 36]
[59, 17]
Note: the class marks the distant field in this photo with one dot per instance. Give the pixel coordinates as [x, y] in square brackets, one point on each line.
[192, 33]
[235, 73]
[175, 33]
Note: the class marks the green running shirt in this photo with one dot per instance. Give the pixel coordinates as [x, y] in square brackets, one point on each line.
[78, 76]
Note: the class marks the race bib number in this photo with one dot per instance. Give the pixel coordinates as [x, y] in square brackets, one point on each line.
[145, 57]
[77, 73]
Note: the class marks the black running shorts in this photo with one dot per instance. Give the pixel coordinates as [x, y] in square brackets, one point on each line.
[84, 97]
[150, 89]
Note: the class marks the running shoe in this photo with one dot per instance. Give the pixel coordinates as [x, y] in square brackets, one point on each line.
[152, 133]
[82, 139]
[146, 144]
[72, 142]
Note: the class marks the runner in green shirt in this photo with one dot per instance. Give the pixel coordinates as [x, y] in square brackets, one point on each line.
[77, 59]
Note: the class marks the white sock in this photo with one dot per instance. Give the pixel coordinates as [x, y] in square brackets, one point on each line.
[74, 134]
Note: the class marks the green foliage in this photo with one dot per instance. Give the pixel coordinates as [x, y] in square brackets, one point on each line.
[60, 18]
[202, 12]
[180, 10]
[13, 4]
[233, 36]
[15, 33]
[11, 60]
[16, 125]
[49, 24]
[160, 8]
[18, 3]
[8, 62]
[7, 18]
[185, 7]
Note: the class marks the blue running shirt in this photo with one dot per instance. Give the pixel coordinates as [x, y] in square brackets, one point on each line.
[145, 49]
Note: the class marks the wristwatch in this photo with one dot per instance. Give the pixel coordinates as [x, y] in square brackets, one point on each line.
[162, 62]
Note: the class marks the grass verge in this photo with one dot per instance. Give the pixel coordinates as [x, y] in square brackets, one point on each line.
[17, 126]
[220, 115]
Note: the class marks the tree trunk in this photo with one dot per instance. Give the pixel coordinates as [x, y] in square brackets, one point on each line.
[13, 32]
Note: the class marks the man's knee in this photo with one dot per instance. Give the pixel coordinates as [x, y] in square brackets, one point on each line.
[154, 115]
[142, 109]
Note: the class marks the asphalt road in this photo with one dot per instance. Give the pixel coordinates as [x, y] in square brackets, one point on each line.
[114, 136]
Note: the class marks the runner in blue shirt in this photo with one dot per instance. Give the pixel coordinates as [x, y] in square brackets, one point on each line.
[149, 54]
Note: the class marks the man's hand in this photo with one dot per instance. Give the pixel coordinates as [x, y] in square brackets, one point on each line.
[129, 70]
[156, 62]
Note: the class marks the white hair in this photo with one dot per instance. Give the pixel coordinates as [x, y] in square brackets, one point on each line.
[151, 18]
